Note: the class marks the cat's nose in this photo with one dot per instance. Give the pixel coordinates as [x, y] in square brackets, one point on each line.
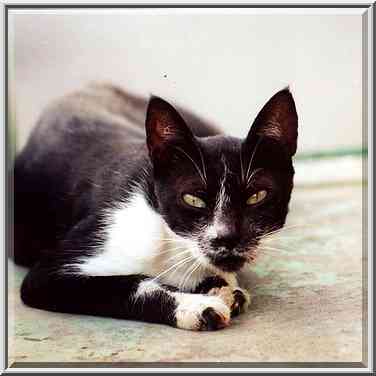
[227, 237]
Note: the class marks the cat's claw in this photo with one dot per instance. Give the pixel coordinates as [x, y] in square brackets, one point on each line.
[242, 300]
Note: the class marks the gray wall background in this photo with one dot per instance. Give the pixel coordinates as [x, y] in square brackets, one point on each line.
[222, 64]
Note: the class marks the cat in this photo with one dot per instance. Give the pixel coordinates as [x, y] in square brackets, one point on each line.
[134, 209]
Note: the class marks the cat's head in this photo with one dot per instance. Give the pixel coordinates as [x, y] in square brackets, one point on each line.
[221, 192]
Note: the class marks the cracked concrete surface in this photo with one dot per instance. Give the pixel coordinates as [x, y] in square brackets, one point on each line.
[307, 304]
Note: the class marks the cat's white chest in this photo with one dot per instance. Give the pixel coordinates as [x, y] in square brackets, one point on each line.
[137, 241]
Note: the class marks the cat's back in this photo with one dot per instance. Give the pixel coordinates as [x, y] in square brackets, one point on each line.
[100, 112]
[76, 130]
[77, 137]
[97, 111]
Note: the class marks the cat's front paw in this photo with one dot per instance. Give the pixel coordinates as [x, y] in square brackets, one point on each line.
[201, 312]
[242, 300]
[237, 299]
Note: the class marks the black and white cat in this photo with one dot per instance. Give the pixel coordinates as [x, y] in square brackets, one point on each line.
[147, 218]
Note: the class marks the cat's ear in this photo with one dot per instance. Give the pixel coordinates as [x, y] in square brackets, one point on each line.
[278, 120]
[165, 129]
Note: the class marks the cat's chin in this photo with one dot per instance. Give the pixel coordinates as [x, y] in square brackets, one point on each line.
[229, 263]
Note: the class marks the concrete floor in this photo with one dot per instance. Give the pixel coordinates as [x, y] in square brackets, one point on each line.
[307, 303]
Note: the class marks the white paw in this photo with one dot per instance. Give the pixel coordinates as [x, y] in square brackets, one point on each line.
[201, 312]
[237, 299]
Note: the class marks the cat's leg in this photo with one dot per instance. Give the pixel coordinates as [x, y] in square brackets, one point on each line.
[134, 297]
[227, 288]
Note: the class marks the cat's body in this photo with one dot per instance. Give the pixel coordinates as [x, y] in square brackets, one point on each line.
[111, 222]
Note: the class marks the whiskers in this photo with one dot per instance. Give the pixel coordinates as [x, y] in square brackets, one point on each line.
[179, 253]
[180, 261]
[201, 171]
[174, 266]
[279, 233]
[267, 242]
[177, 256]
[194, 267]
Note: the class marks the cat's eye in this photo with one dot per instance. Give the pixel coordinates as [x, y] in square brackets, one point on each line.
[257, 197]
[194, 201]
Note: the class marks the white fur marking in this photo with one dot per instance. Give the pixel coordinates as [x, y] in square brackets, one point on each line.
[222, 197]
[190, 307]
[222, 200]
[212, 231]
[127, 249]
[146, 288]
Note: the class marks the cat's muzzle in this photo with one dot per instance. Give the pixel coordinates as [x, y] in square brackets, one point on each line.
[227, 260]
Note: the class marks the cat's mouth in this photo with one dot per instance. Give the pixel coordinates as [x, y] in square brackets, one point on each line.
[226, 260]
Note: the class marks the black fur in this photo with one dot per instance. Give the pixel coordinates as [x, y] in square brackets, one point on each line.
[209, 283]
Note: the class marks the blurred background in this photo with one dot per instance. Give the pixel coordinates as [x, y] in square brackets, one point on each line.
[222, 64]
